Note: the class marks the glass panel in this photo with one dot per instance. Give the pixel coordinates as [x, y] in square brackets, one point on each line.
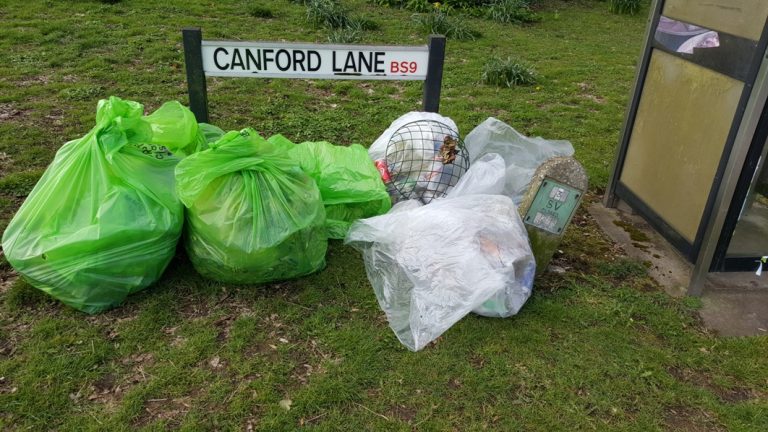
[683, 37]
[722, 52]
[744, 18]
[683, 120]
[750, 238]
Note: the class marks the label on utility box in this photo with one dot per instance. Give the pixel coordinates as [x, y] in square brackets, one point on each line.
[294, 60]
[553, 206]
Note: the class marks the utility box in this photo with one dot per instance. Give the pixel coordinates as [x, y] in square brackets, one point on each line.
[691, 155]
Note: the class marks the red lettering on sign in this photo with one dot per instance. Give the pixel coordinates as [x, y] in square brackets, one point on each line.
[403, 67]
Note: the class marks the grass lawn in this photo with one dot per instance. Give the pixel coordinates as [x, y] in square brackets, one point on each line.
[598, 347]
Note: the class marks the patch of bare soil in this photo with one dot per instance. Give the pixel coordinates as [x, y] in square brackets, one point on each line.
[109, 390]
[726, 395]
[34, 80]
[9, 111]
[171, 410]
[689, 419]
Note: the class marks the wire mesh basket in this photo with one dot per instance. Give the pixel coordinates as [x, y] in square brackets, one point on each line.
[425, 159]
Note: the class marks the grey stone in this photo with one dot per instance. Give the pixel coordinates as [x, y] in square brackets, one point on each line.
[566, 171]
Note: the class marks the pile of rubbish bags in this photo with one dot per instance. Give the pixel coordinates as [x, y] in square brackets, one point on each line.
[105, 218]
[431, 265]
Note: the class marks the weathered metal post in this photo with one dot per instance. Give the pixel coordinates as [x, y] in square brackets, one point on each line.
[193, 58]
[433, 83]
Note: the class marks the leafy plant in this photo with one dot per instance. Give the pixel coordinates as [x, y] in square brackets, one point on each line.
[420, 6]
[628, 7]
[440, 22]
[511, 11]
[331, 14]
[350, 34]
[327, 13]
[508, 73]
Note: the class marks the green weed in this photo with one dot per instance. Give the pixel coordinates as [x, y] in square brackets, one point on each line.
[439, 21]
[511, 11]
[419, 6]
[508, 73]
[82, 93]
[346, 35]
[328, 13]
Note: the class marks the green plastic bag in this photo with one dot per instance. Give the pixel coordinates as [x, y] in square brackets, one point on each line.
[349, 182]
[175, 128]
[252, 215]
[210, 132]
[104, 219]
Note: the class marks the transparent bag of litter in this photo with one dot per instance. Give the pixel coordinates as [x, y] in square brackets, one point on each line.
[430, 265]
[522, 154]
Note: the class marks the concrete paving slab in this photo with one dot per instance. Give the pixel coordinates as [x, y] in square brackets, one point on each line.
[642, 243]
[733, 304]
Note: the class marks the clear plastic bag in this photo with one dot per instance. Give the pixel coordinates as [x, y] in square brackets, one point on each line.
[522, 154]
[430, 265]
[485, 176]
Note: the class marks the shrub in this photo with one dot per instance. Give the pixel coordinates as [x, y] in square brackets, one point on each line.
[327, 13]
[629, 7]
[259, 11]
[511, 11]
[439, 22]
[508, 73]
[331, 14]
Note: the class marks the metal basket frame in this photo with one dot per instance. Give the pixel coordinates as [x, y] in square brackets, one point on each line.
[416, 154]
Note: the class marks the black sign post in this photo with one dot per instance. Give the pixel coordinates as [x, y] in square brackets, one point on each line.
[193, 58]
[434, 81]
[402, 66]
